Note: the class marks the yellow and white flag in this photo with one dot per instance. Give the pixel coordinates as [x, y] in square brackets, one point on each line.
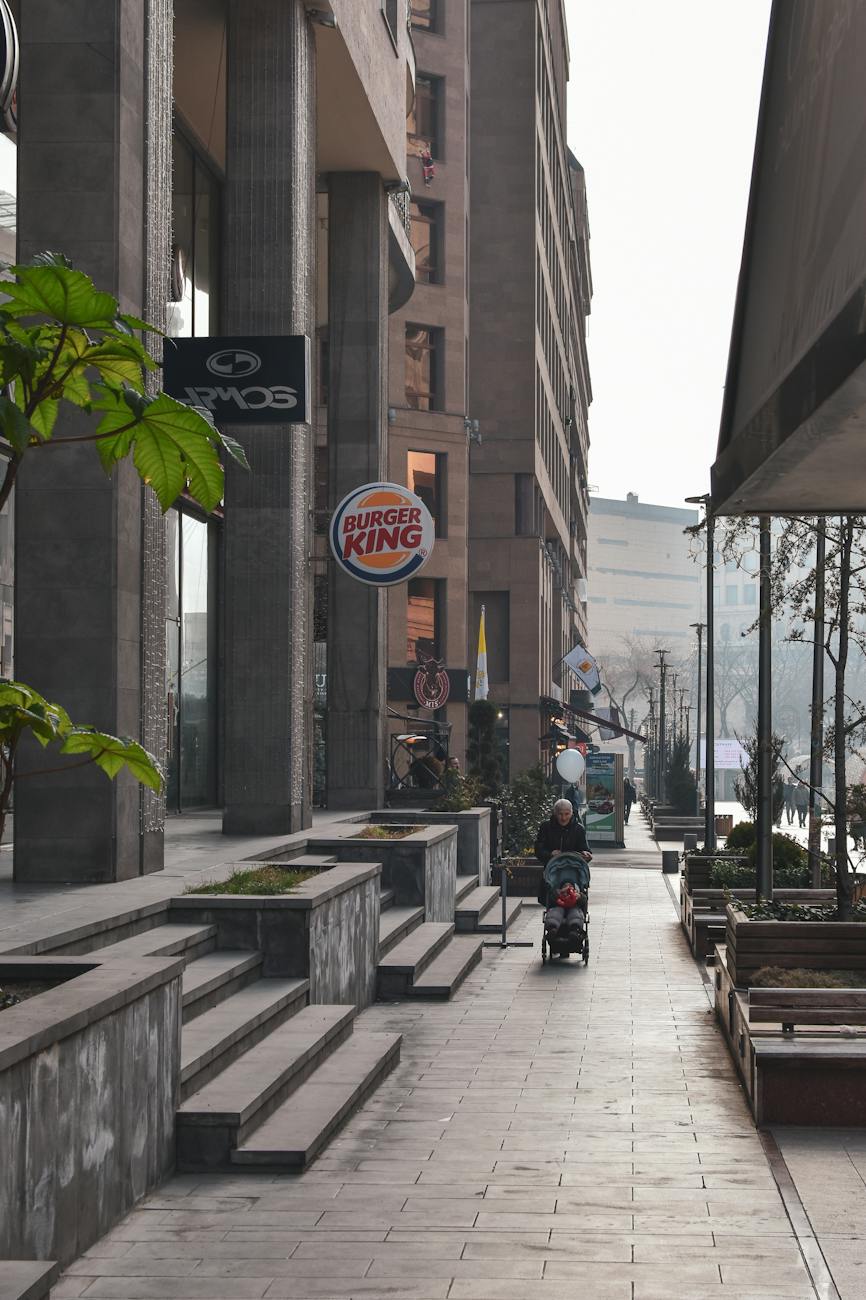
[482, 685]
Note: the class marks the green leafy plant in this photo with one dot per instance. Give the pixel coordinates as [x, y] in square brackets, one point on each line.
[482, 754]
[66, 347]
[24, 711]
[388, 832]
[65, 344]
[526, 802]
[781, 911]
[742, 836]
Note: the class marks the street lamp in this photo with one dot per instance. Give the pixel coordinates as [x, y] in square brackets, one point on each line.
[661, 784]
[710, 755]
[699, 628]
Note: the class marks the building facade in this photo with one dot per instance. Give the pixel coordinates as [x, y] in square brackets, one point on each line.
[529, 389]
[180, 153]
[429, 420]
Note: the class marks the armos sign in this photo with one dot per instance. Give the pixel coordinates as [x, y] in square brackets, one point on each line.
[381, 534]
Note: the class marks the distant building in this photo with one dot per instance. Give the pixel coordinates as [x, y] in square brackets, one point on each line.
[644, 588]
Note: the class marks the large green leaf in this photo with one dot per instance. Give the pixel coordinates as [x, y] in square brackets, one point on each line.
[173, 445]
[14, 425]
[23, 708]
[112, 754]
[59, 293]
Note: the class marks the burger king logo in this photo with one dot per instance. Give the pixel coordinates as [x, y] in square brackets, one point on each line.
[381, 534]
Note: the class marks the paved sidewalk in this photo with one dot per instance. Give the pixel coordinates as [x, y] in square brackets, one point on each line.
[553, 1132]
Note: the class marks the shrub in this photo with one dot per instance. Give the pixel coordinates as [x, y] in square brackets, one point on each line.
[742, 836]
[776, 977]
[268, 879]
[461, 793]
[482, 754]
[526, 803]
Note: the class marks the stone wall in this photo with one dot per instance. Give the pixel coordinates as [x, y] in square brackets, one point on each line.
[89, 1077]
[473, 834]
[421, 869]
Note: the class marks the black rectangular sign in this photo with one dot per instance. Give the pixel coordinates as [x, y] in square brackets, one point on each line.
[400, 684]
[259, 380]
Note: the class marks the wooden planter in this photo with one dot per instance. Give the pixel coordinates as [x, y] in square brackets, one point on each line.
[697, 868]
[817, 945]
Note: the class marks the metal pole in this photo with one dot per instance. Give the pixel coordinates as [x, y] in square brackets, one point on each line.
[700, 631]
[765, 724]
[662, 783]
[710, 755]
[650, 756]
[816, 740]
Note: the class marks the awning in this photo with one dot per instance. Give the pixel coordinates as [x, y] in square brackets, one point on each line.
[591, 718]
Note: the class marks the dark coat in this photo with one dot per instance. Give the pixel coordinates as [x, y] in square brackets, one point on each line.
[567, 839]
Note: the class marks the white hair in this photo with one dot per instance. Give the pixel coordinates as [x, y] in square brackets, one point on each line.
[562, 803]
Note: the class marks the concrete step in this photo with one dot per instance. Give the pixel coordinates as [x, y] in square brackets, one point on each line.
[222, 1114]
[491, 922]
[215, 977]
[298, 1130]
[465, 886]
[472, 908]
[396, 924]
[27, 1279]
[193, 941]
[386, 899]
[217, 1037]
[448, 971]
[407, 959]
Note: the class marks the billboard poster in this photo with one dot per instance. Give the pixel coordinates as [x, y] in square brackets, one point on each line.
[602, 793]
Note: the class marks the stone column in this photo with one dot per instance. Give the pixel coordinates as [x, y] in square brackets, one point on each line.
[93, 149]
[269, 288]
[357, 454]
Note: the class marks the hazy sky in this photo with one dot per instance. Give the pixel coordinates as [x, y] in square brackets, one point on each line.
[663, 102]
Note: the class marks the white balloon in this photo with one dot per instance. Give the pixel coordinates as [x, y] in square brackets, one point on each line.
[570, 765]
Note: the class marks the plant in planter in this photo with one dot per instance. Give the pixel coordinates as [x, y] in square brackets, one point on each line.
[461, 793]
[269, 880]
[64, 345]
[746, 787]
[680, 779]
[526, 802]
[388, 832]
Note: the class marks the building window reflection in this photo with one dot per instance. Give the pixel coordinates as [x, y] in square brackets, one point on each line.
[423, 125]
[424, 618]
[194, 308]
[426, 478]
[426, 232]
[423, 367]
[191, 660]
[425, 15]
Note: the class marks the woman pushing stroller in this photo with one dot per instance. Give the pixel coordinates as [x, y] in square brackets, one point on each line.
[561, 848]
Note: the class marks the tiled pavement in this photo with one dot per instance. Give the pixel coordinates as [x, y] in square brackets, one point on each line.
[554, 1131]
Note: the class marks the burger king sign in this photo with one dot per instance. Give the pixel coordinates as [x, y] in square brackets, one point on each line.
[382, 534]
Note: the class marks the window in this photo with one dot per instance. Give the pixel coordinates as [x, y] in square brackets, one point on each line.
[425, 15]
[389, 13]
[731, 595]
[423, 367]
[424, 607]
[750, 595]
[423, 124]
[426, 478]
[194, 307]
[426, 235]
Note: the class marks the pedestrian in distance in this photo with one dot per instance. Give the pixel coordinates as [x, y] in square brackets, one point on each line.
[790, 805]
[801, 801]
[629, 795]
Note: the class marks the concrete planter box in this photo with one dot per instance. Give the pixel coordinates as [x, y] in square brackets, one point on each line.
[816, 945]
[473, 835]
[326, 931]
[421, 868]
[89, 1074]
[698, 867]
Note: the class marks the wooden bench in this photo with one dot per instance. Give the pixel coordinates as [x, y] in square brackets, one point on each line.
[837, 1008]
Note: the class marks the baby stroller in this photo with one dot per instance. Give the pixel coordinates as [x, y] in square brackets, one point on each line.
[565, 869]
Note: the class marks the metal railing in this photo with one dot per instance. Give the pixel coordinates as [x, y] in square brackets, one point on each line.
[401, 202]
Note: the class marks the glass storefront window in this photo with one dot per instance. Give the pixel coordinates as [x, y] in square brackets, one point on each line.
[191, 695]
[193, 310]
